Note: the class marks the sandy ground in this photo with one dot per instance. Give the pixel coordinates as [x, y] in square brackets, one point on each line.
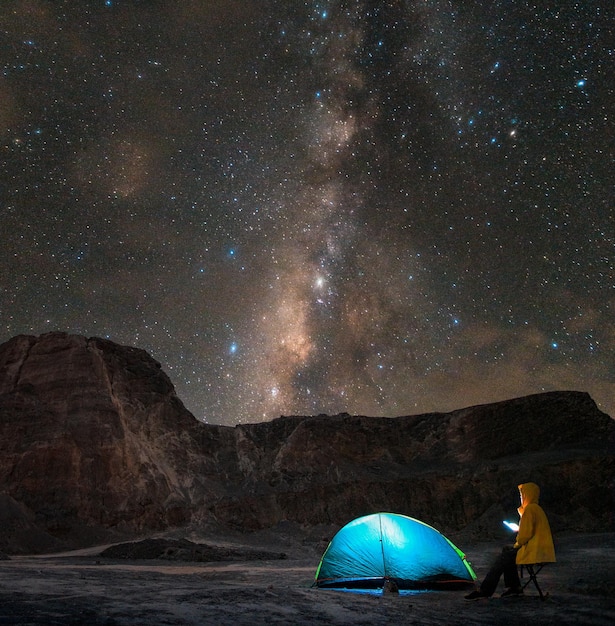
[82, 588]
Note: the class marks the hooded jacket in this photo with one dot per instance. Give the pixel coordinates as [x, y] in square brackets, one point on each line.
[534, 538]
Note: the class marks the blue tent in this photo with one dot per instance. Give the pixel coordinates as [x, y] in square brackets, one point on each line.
[387, 546]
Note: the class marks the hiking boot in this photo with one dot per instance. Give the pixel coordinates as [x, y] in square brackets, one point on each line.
[476, 595]
[512, 592]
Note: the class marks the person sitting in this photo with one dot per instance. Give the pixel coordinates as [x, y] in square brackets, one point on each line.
[534, 544]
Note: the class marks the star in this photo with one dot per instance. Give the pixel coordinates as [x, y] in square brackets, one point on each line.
[323, 207]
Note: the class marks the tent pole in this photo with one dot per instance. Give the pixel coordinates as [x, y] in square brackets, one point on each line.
[384, 567]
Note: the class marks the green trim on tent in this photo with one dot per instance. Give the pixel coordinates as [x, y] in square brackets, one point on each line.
[389, 546]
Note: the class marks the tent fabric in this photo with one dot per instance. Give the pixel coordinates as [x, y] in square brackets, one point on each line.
[382, 546]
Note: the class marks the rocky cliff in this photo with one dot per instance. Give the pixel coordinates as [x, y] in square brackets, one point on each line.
[94, 441]
[93, 437]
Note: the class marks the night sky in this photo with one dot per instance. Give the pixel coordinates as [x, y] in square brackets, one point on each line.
[380, 208]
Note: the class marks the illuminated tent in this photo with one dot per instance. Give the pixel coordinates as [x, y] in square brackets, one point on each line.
[386, 546]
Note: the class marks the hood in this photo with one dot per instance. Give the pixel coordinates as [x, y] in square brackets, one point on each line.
[529, 492]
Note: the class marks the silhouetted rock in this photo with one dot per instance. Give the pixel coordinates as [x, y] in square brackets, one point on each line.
[168, 549]
[94, 444]
[18, 528]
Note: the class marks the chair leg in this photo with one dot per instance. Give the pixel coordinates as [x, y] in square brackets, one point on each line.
[533, 573]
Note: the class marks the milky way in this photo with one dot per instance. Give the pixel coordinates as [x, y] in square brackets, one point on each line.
[369, 207]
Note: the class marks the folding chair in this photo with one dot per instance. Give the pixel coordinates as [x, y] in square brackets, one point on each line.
[533, 570]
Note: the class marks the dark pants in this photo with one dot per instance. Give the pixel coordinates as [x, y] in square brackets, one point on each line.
[505, 564]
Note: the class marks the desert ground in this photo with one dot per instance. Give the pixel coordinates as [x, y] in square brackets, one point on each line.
[82, 587]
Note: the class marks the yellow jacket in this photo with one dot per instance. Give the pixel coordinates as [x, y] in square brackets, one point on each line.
[534, 538]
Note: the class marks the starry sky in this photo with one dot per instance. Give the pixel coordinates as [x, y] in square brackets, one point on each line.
[302, 207]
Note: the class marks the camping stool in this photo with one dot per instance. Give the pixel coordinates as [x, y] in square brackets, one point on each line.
[533, 569]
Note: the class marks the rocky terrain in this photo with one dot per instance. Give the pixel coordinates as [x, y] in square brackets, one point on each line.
[241, 585]
[96, 446]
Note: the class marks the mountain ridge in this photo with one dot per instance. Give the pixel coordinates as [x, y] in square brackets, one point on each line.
[95, 444]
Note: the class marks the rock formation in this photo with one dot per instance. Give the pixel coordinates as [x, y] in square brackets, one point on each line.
[93, 437]
[94, 443]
